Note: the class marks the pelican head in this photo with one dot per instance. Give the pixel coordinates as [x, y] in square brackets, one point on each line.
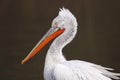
[65, 20]
[64, 27]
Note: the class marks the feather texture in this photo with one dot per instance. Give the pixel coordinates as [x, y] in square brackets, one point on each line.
[81, 70]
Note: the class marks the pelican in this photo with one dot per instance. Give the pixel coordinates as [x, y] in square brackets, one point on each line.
[57, 67]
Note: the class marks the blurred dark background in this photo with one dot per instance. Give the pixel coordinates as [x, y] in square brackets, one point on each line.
[24, 22]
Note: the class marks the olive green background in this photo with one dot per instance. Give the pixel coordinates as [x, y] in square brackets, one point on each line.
[24, 22]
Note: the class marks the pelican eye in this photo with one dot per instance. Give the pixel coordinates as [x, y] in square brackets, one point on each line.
[55, 24]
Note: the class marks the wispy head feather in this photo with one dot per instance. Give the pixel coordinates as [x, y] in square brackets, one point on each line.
[65, 13]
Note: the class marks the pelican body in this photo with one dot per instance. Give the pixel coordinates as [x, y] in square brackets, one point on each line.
[64, 29]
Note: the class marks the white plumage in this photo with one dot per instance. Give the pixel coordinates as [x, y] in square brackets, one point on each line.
[57, 67]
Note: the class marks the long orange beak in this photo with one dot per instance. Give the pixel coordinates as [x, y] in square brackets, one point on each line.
[51, 34]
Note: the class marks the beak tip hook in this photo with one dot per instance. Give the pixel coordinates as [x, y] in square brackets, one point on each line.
[22, 62]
